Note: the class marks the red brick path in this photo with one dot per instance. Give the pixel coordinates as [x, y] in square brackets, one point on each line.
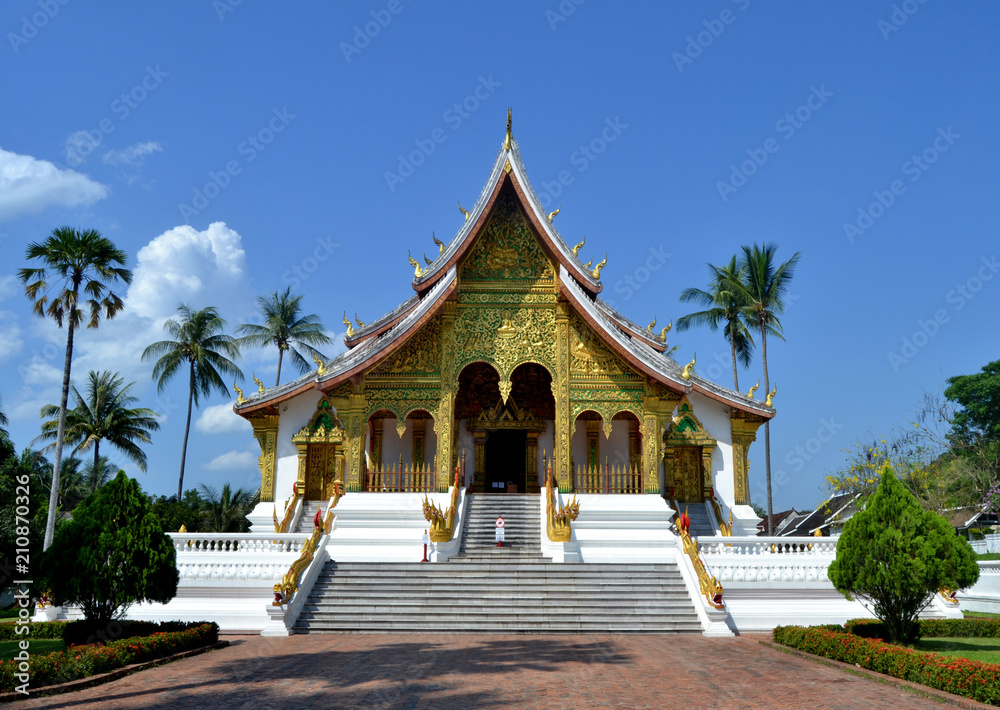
[445, 671]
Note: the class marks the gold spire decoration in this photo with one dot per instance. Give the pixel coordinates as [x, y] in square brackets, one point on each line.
[417, 270]
[509, 137]
[770, 397]
[463, 211]
[596, 273]
[649, 328]
[260, 385]
[753, 389]
[578, 247]
[553, 213]
[686, 372]
[440, 244]
[587, 265]
[240, 399]
[426, 260]
[666, 329]
[320, 365]
[350, 328]
[361, 323]
[182, 528]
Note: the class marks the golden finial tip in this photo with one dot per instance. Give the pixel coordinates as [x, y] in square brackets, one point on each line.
[686, 372]
[649, 328]
[596, 273]
[578, 247]
[753, 389]
[509, 135]
[463, 211]
[769, 402]
[553, 213]
[350, 327]
[666, 329]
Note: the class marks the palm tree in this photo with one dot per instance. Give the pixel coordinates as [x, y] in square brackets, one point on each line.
[103, 415]
[285, 328]
[763, 288]
[98, 474]
[199, 341]
[83, 263]
[3, 420]
[226, 511]
[722, 305]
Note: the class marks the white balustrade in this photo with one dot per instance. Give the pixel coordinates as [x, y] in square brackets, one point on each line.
[232, 571]
[189, 543]
[767, 546]
[801, 560]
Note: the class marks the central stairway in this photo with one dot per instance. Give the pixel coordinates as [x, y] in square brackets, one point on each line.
[490, 589]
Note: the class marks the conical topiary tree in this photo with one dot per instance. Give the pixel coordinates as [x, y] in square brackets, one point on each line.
[112, 554]
[895, 556]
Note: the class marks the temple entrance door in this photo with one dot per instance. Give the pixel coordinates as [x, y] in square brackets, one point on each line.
[321, 471]
[506, 452]
[688, 474]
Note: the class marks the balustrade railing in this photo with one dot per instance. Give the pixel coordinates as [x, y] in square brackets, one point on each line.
[188, 543]
[399, 477]
[612, 478]
[758, 546]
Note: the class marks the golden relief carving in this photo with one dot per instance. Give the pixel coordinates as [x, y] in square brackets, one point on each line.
[265, 430]
[590, 357]
[744, 430]
[420, 355]
[506, 249]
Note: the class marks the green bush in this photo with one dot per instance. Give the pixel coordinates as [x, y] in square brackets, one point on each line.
[83, 661]
[929, 628]
[971, 679]
[38, 630]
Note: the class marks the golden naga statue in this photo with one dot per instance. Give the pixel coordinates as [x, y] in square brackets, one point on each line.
[596, 273]
[509, 136]
[686, 372]
[443, 521]
[770, 397]
[558, 522]
[417, 271]
[463, 211]
[440, 244]
[240, 399]
[649, 328]
[578, 247]
[361, 323]
[753, 389]
[553, 213]
[350, 328]
[320, 365]
[666, 329]
[587, 265]
[426, 260]
[260, 385]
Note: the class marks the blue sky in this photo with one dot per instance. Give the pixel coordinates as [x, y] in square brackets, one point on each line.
[238, 148]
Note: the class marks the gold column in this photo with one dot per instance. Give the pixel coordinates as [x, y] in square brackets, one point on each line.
[563, 423]
[593, 444]
[633, 443]
[669, 473]
[351, 412]
[445, 421]
[265, 430]
[419, 434]
[479, 437]
[300, 479]
[744, 429]
[706, 472]
[376, 446]
[531, 464]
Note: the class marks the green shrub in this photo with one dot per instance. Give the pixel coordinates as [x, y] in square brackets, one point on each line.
[38, 630]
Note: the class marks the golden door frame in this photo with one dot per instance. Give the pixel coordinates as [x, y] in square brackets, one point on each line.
[506, 416]
[686, 438]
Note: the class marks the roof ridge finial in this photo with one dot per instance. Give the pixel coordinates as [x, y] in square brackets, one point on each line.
[509, 137]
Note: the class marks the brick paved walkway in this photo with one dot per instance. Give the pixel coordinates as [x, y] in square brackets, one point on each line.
[439, 671]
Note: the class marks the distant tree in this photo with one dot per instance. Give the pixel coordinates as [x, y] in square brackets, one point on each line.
[199, 342]
[103, 414]
[189, 513]
[112, 554]
[895, 556]
[95, 477]
[285, 328]
[226, 511]
[763, 289]
[724, 307]
[84, 264]
[975, 432]
[3, 420]
[18, 472]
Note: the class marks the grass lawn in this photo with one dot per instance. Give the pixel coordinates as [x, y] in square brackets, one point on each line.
[9, 649]
[9, 613]
[975, 649]
[987, 556]
[983, 614]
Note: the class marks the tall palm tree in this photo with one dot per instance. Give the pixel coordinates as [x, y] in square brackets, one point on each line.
[198, 340]
[723, 307]
[3, 420]
[226, 511]
[98, 474]
[83, 264]
[103, 414]
[763, 289]
[285, 328]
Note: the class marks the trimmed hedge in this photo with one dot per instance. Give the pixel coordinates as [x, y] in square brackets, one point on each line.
[39, 630]
[84, 661]
[971, 679]
[929, 628]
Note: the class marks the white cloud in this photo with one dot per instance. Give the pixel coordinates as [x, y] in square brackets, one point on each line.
[28, 184]
[10, 335]
[8, 286]
[233, 461]
[221, 419]
[134, 155]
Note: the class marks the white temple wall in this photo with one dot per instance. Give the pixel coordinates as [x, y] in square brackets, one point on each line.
[579, 444]
[294, 415]
[714, 416]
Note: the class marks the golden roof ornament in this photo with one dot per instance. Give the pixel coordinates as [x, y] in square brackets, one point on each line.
[649, 328]
[666, 329]
[509, 137]
[770, 397]
[553, 213]
[260, 385]
[350, 328]
[240, 399]
[463, 211]
[440, 244]
[587, 265]
[753, 389]
[578, 247]
[426, 260]
[686, 372]
[361, 323]
[596, 273]
[182, 528]
[320, 365]
[417, 270]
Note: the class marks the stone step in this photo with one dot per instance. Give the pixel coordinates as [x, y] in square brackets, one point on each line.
[376, 626]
